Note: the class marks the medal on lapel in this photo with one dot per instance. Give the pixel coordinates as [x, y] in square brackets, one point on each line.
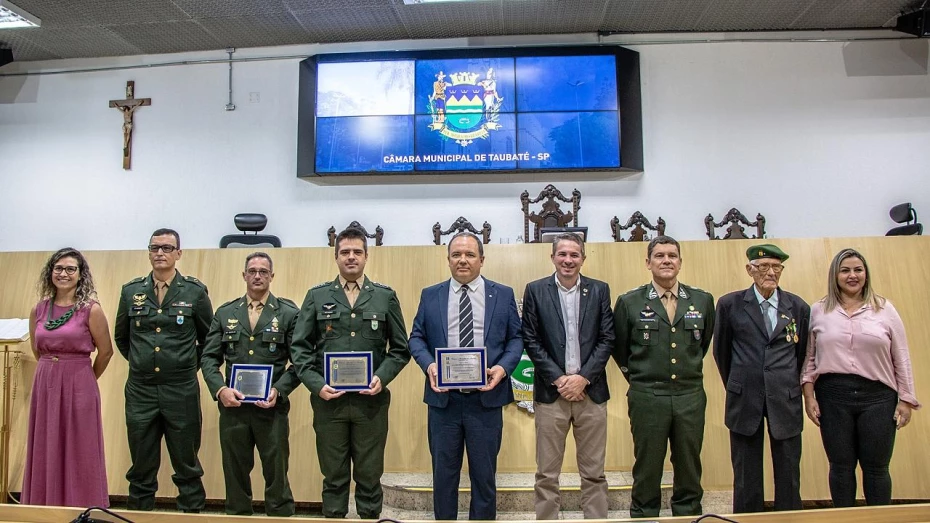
[791, 331]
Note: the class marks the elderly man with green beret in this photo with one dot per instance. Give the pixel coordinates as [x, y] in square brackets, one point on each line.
[759, 346]
[663, 332]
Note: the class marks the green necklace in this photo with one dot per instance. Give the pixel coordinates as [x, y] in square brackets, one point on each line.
[51, 324]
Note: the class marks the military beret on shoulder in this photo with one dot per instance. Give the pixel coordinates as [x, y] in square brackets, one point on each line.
[765, 250]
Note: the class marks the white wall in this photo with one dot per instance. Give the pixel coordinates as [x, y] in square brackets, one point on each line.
[821, 138]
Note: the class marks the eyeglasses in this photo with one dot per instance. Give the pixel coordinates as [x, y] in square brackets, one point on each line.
[765, 267]
[264, 273]
[69, 269]
[167, 249]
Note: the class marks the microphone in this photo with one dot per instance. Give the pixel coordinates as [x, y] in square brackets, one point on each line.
[714, 516]
[84, 517]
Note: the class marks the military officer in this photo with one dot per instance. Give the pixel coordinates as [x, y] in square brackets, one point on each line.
[254, 329]
[161, 325]
[663, 331]
[350, 314]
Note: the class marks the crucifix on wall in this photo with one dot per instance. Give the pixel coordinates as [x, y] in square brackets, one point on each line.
[128, 108]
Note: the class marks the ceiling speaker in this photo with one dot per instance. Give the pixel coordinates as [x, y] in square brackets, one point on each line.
[916, 23]
[6, 56]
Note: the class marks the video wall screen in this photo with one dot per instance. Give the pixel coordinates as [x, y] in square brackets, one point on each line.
[551, 109]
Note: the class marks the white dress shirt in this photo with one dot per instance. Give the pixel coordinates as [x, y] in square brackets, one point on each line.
[476, 295]
[571, 309]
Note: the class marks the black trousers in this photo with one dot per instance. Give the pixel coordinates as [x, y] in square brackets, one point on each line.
[857, 426]
[746, 453]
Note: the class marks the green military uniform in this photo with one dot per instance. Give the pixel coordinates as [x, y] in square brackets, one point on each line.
[663, 362]
[354, 426]
[242, 429]
[163, 343]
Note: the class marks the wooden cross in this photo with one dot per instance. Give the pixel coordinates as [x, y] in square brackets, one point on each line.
[128, 107]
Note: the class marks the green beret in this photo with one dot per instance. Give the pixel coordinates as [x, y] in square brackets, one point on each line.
[766, 250]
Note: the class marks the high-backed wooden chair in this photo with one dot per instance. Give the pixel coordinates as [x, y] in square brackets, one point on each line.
[461, 225]
[639, 232]
[735, 231]
[551, 215]
[377, 236]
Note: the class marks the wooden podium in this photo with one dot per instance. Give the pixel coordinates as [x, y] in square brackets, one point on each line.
[11, 356]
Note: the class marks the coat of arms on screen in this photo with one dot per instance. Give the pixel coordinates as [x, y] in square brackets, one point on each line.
[465, 107]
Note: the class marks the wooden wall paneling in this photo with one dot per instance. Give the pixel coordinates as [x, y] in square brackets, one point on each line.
[899, 272]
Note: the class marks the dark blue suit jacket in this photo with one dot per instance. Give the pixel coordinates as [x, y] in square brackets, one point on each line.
[502, 337]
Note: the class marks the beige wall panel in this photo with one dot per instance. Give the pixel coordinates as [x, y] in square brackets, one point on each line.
[899, 272]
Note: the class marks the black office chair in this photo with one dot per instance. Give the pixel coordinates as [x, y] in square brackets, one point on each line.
[905, 213]
[250, 222]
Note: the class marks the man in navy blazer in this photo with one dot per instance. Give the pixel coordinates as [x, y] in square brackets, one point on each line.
[568, 332]
[467, 310]
[760, 343]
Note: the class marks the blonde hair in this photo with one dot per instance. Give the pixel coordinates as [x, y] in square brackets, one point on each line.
[834, 295]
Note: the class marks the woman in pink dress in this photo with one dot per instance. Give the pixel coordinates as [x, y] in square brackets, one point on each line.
[64, 453]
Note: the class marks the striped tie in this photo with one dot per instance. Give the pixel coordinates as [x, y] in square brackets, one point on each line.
[466, 320]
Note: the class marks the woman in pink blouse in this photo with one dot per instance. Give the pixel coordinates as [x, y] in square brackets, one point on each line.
[857, 381]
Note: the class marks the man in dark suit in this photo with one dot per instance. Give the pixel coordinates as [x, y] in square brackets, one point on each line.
[759, 345]
[467, 311]
[568, 332]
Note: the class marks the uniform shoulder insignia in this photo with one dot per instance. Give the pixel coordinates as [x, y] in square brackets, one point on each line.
[288, 302]
[230, 302]
[140, 279]
[324, 284]
[383, 286]
[194, 280]
[693, 288]
[634, 289]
